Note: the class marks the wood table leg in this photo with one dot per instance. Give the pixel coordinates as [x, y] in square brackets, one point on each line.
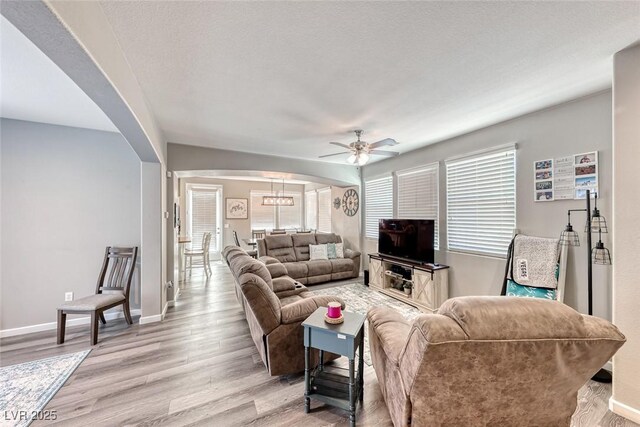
[322, 360]
[361, 369]
[352, 393]
[62, 323]
[307, 382]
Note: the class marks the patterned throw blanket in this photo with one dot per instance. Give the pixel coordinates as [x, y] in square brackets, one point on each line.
[535, 261]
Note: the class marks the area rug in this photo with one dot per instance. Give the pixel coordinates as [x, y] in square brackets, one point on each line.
[25, 389]
[359, 299]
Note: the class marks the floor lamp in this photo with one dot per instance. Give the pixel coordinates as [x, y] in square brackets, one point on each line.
[597, 254]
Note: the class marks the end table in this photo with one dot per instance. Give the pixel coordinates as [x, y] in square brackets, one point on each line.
[328, 383]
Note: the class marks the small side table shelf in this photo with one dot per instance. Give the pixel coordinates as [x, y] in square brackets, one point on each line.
[335, 386]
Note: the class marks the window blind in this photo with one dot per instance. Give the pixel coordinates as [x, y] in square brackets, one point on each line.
[262, 217]
[290, 216]
[204, 212]
[418, 195]
[311, 209]
[324, 210]
[481, 203]
[378, 204]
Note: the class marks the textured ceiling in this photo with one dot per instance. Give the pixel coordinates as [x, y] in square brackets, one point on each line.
[35, 89]
[285, 78]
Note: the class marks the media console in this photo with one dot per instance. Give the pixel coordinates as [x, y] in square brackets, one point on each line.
[429, 283]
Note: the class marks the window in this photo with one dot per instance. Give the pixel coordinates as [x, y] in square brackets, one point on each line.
[378, 204]
[324, 210]
[481, 203]
[418, 195]
[262, 217]
[204, 211]
[270, 217]
[311, 209]
[290, 216]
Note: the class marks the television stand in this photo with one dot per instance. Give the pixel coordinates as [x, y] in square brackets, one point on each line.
[428, 283]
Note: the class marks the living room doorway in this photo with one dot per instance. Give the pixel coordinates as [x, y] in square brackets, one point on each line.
[204, 215]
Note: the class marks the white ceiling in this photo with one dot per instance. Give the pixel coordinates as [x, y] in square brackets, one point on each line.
[285, 78]
[33, 88]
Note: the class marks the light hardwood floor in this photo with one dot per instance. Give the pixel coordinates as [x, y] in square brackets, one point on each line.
[200, 367]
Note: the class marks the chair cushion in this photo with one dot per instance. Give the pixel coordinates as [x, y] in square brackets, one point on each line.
[391, 328]
[92, 302]
[280, 247]
[318, 267]
[340, 265]
[297, 270]
[301, 244]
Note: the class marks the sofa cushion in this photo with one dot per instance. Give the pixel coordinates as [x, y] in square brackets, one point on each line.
[331, 250]
[318, 267]
[301, 244]
[280, 247]
[340, 265]
[391, 330]
[297, 270]
[323, 238]
[277, 270]
[318, 252]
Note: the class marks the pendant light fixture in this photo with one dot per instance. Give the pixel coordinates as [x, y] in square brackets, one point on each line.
[277, 200]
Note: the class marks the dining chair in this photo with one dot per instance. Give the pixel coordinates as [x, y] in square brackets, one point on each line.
[252, 252]
[203, 252]
[113, 289]
[258, 234]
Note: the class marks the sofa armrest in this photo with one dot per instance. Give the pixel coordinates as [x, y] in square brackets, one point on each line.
[350, 253]
[300, 310]
[355, 257]
[391, 331]
[277, 270]
[267, 260]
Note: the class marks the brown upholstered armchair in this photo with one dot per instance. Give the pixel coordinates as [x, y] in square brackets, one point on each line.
[494, 361]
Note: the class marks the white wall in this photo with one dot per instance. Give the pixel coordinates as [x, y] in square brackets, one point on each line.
[348, 227]
[575, 127]
[626, 219]
[67, 193]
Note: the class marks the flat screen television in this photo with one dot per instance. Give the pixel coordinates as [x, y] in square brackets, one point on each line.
[411, 239]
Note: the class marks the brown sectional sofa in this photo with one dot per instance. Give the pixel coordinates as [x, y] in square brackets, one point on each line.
[275, 306]
[292, 250]
[488, 361]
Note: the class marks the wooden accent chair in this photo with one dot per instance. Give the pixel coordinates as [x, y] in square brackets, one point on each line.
[252, 253]
[202, 252]
[112, 289]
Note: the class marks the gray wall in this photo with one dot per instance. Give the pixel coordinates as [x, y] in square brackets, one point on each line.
[575, 127]
[626, 220]
[66, 194]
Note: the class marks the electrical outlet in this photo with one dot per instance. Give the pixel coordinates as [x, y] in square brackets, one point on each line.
[68, 296]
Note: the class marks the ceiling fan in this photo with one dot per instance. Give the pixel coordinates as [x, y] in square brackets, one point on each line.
[360, 150]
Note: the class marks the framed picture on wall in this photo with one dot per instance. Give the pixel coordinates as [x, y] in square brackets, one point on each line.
[237, 208]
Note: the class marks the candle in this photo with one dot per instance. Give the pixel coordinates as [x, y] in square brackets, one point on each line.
[333, 310]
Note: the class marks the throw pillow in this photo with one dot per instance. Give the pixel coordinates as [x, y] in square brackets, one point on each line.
[339, 250]
[517, 290]
[317, 252]
[331, 250]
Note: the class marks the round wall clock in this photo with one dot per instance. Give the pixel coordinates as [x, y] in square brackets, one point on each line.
[350, 202]
[336, 203]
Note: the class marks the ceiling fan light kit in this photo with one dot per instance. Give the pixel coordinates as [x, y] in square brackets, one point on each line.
[360, 151]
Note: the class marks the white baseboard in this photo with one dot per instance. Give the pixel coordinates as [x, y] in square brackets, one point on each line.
[150, 319]
[53, 325]
[626, 411]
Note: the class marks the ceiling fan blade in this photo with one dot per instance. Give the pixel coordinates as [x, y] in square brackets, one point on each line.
[383, 142]
[339, 144]
[335, 154]
[384, 153]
